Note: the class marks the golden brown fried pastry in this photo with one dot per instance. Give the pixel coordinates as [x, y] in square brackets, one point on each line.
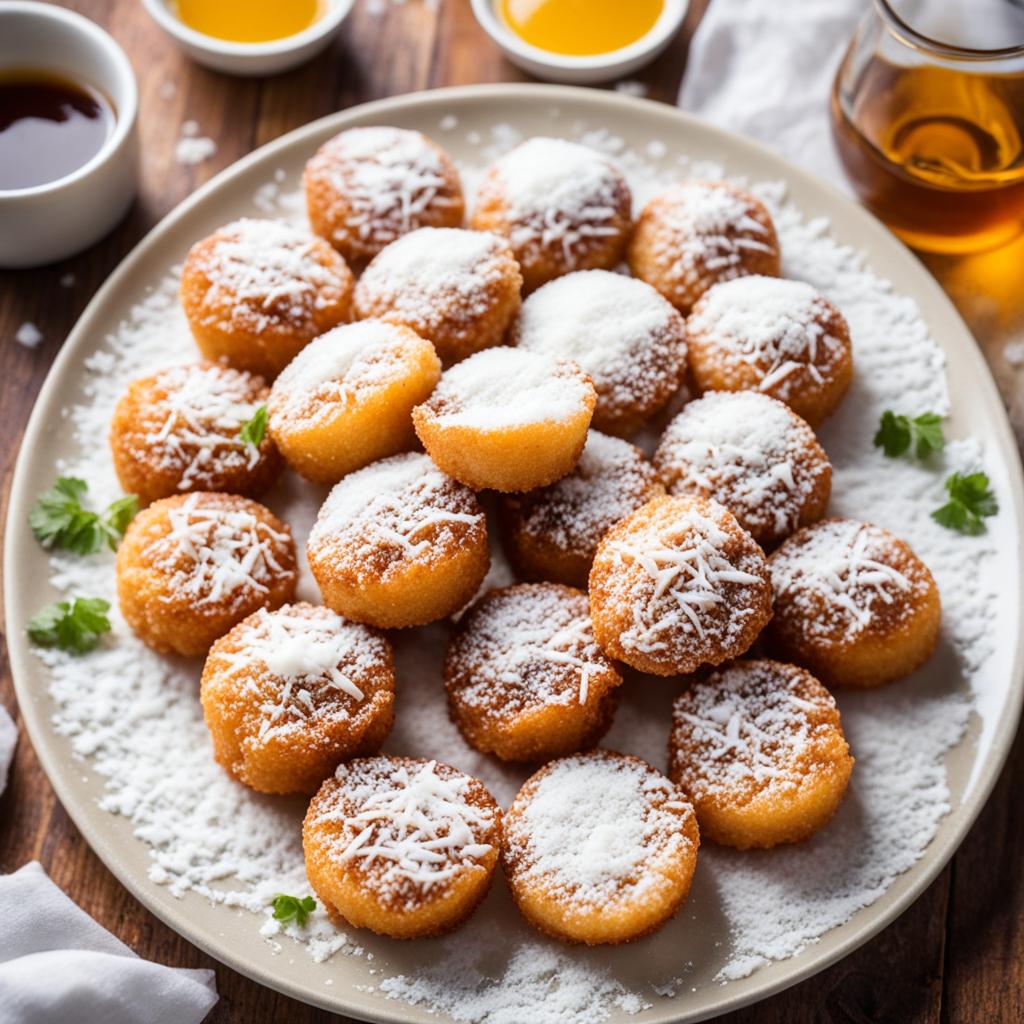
[402, 846]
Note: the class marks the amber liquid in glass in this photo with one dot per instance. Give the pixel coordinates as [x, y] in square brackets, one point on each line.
[937, 154]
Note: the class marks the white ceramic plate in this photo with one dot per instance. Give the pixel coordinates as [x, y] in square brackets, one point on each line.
[342, 984]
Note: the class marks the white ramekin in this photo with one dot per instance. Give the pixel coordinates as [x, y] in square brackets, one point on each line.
[251, 58]
[599, 67]
[47, 222]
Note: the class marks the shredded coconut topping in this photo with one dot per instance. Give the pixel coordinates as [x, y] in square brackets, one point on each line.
[748, 729]
[394, 512]
[844, 574]
[611, 479]
[682, 586]
[501, 388]
[560, 194]
[777, 327]
[203, 410]
[217, 552]
[386, 177]
[621, 331]
[525, 647]
[410, 824]
[710, 228]
[749, 452]
[311, 656]
[338, 369]
[437, 277]
[595, 829]
[262, 273]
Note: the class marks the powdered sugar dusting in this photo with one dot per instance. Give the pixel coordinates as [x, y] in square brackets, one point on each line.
[621, 332]
[748, 452]
[502, 387]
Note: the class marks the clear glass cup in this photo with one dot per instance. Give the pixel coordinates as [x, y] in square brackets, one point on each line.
[928, 119]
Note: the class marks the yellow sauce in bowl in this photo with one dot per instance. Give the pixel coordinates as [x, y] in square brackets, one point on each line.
[249, 21]
[580, 28]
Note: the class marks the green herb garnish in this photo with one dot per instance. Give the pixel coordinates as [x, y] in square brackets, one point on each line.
[970, 500]
[253, 429]
[59, 520]
[896, 433]
[291, 908]
[74, 626]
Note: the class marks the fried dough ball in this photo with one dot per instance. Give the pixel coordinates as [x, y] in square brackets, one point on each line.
[402, 846]
[525, 677]
[752, 454]
[563, 207]
[759, 749]
[289, 694]
[853, 604]
[779, 337]
[399, 543]
[257, 291]
[193, 566]
[506, 419]
[599, 848]
[552, 533]
[698, 233]
[676, 585]
[347, 398]
[458, 289]
[368, 186]
[628, 339]
[178, 430]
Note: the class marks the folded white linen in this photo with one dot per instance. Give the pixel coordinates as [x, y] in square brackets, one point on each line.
[57, 965]
[765, 68]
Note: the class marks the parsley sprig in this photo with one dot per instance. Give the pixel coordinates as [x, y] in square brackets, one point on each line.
[970, 501]
[254, 428]
[60, 520]
[896, 433]
[75, 626]
[291, 908]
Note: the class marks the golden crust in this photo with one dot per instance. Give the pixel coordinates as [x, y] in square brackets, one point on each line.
[179, 601]
[368, 186]
[177, 431]
[699, 233]
[329, 421]
[781, 772]
[873, 617]
[278, 698]
[256, 292]
[778, 337]
[458, 289]
[399, 544]
[570, 884]
[678, 584]
[552, 533]
[525, 679]
[551, 236]
[394, 895]
[471, 441]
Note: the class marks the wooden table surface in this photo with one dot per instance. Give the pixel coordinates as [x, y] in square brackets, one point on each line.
[956, 955]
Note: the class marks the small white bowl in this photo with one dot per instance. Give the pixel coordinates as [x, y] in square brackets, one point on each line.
[598, 67]
[251, 58]
[47, 222]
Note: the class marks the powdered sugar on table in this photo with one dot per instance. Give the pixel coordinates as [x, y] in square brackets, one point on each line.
[139, 726]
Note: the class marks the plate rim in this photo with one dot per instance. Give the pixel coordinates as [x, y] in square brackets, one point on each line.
[36, 723]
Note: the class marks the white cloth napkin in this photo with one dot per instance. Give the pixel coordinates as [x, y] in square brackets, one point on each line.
[58, 966]
[765, 68]
[8, 740]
